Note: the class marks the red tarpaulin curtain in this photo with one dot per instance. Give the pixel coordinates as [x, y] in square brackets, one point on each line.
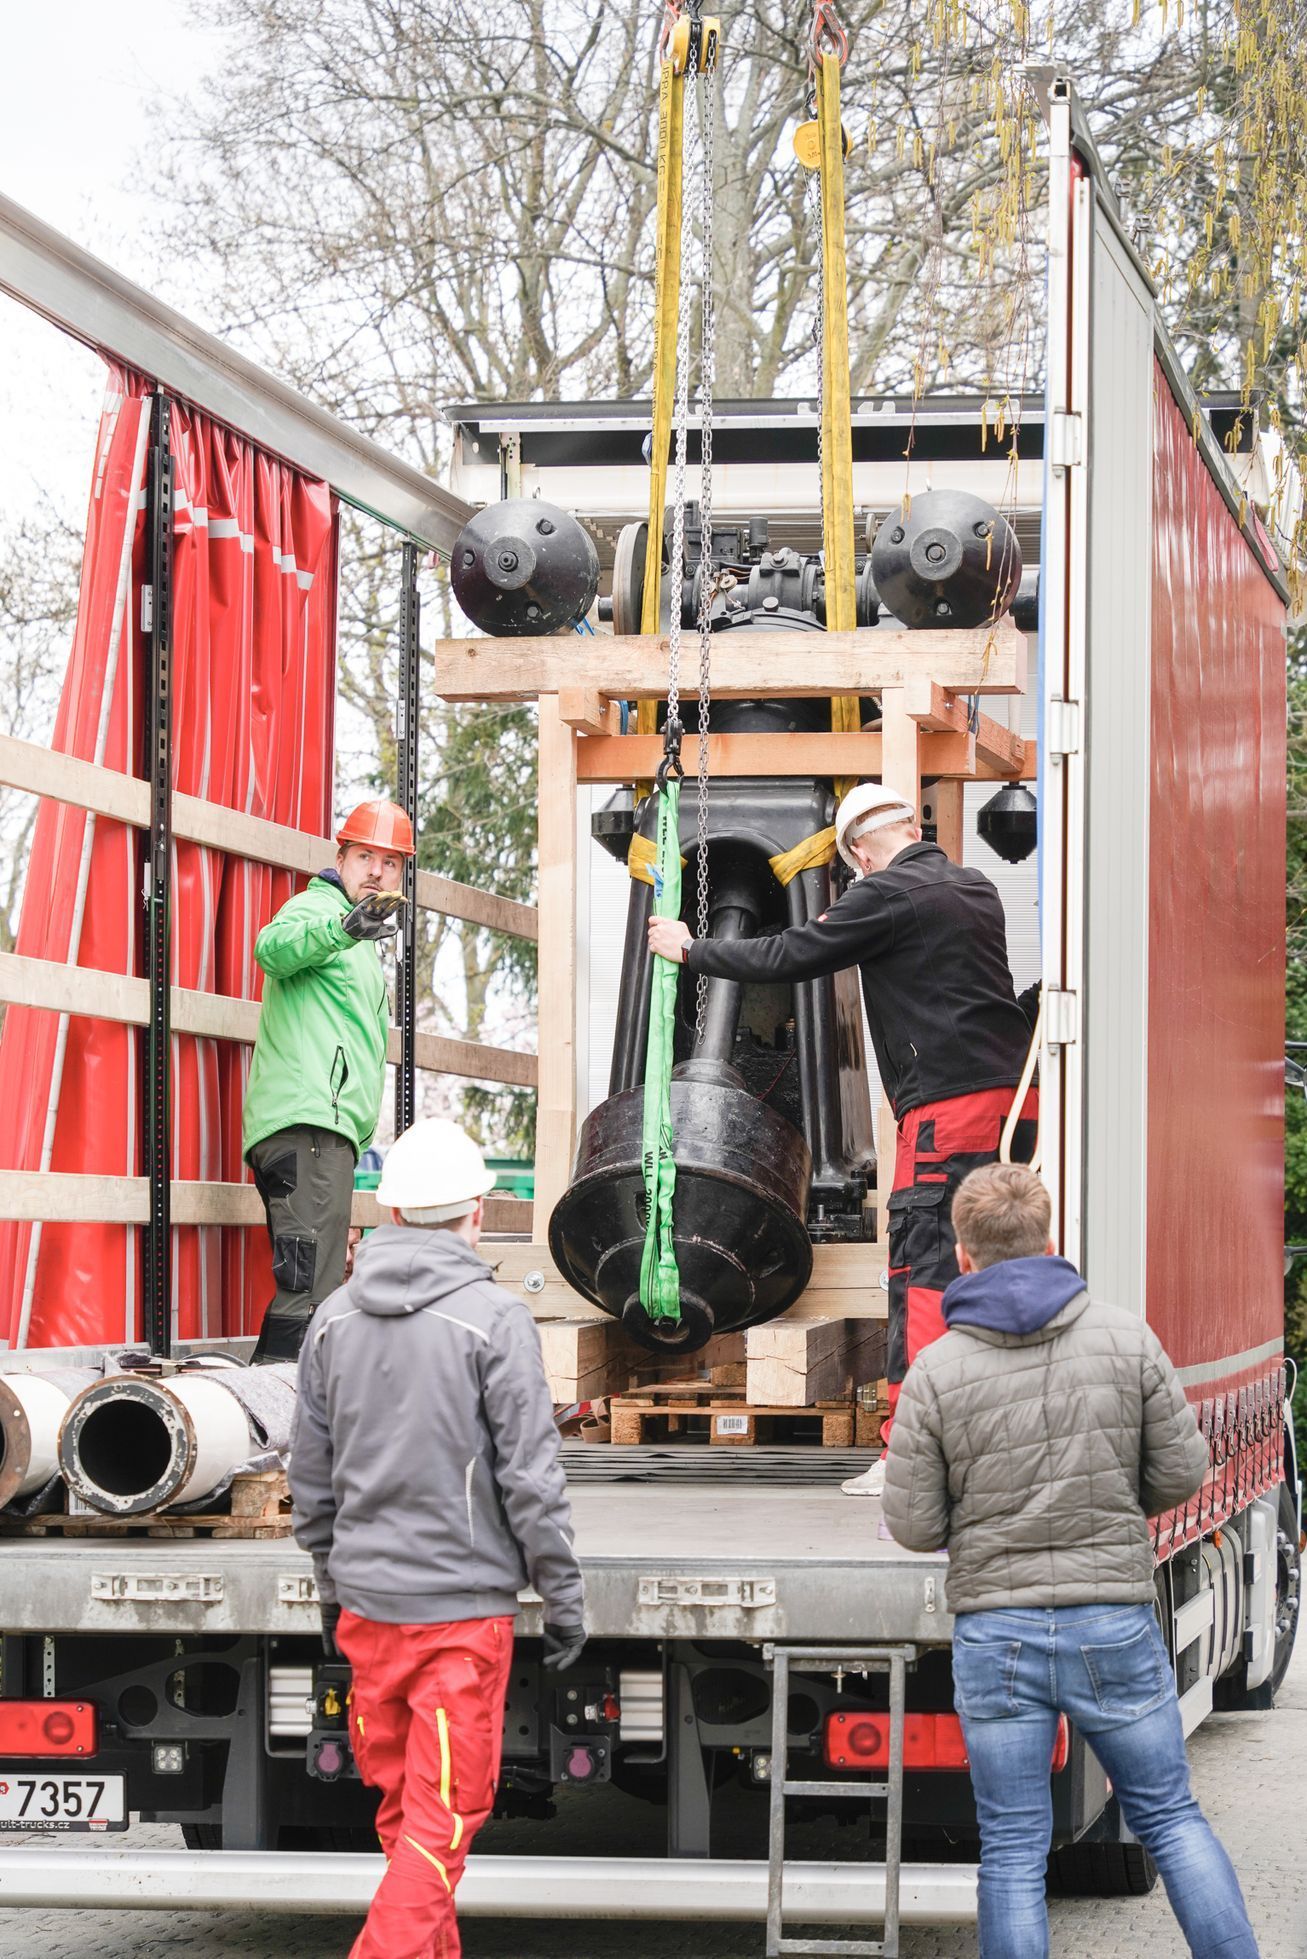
[254, 609]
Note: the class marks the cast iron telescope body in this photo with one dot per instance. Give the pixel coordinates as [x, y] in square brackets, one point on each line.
[771, 1113]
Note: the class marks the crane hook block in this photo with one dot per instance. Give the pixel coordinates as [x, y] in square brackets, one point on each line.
[693, 46]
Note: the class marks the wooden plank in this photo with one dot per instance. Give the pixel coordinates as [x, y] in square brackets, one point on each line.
[903, 757]
[61, 1199]
[556, 967]
[41, 771]
[586, 710]
[942, 804]
[845, 1284]
[936, 710]
[216, 1016]
[584, 1358]
[783, 664]
[796, 1362]
[630, 758]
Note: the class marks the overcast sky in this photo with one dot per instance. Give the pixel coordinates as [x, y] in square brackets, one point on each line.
[81, 83]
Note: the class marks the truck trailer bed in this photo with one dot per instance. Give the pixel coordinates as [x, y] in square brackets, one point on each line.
[752, 1551]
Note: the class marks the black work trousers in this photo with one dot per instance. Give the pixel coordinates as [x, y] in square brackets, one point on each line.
[305, 1177]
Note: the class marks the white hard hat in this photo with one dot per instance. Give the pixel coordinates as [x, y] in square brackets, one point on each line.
[434, 1172]
[867, 806]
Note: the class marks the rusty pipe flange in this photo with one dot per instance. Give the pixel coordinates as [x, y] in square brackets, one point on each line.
[32, 1406]
[127, 1446]
[15, 1444]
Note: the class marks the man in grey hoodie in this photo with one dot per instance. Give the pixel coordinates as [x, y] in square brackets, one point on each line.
[1035, 1440]
[428, 1488]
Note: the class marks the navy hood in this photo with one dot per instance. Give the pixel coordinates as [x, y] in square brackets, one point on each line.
[1018, 1295]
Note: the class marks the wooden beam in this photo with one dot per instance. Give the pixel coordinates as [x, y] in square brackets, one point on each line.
[56, 1198]
[792, 1363]
[216, 1016]
[942, 805]
[586, 710]
[556, 981]
[903, 761]
[935, 709]
[41, 771]
[632, 758]
[782, 664]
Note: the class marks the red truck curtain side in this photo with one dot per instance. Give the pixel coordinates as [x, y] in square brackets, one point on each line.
[254, 584]
[1216, 939]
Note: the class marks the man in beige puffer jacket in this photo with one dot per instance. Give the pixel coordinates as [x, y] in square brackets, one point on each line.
[1034, 1441]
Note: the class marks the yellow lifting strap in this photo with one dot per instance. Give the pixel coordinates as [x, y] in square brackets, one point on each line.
[667, 306]
[810, 855]
[641, 857]
[836, 403]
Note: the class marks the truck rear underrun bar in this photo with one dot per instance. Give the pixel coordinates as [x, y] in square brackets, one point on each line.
[493, 1887]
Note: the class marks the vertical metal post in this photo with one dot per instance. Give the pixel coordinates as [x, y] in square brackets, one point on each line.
[780, 1754]
[898, 1696]
[156, 630]
[407, 796]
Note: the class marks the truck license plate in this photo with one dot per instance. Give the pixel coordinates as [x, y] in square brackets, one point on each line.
[62, 1802]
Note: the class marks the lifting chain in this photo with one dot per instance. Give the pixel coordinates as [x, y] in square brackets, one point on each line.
[706, 99]
[702, 43]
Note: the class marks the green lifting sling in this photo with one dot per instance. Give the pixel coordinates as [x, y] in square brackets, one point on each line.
[660, 1280]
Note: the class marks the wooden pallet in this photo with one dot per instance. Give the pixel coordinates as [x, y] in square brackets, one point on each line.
[260, 1508]
[664, 1411]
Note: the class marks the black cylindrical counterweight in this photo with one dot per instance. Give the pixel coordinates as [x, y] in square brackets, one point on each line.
[951, 560]
[523, 566]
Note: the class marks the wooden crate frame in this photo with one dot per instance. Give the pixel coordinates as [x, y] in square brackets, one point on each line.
[927, 729]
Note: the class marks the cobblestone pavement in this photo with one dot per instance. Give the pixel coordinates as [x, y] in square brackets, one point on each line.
[1250, 1774]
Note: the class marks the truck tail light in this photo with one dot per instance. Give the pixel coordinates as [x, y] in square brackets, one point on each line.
[48, 1728]
[860, 1740]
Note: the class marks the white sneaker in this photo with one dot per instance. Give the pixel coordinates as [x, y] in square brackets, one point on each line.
[870, 1483]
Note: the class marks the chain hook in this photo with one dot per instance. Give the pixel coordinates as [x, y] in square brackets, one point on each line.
[828, 35]
[671, 764]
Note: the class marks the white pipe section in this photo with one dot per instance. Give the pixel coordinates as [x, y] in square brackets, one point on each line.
[492, 1887]
[221, 1429]
[32, 1407]
[129, 1445]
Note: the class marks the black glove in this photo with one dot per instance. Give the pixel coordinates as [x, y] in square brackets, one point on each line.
[374, 917]
[563, 1646]
[330, 1620]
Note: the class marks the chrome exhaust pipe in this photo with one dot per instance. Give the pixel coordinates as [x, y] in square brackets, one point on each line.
[131, 1444]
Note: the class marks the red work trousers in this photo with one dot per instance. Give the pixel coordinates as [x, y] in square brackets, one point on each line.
[938, 1144]
[426, 1719]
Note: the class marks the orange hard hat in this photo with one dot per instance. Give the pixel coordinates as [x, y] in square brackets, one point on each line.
[381, 823]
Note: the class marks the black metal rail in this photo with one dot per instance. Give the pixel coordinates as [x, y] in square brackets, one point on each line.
[407, 796]
[156, 631]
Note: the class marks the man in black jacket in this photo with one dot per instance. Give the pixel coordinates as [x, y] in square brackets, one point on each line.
[931, 941]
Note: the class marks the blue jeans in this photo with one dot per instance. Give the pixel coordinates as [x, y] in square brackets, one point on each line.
[1106, 1668]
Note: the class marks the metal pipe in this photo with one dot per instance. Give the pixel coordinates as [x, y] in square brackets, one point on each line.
[721, 1013]
[492, 1887]
[32, 1406]
[131, 1444]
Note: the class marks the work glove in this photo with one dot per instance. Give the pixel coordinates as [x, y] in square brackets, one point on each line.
[330, 1611]
[374, 917]
[563, 1646]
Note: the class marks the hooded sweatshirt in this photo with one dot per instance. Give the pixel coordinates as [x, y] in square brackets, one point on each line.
[424, 1462]
[1035, 1439]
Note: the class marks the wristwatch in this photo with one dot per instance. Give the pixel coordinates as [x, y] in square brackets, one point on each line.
[685, 952]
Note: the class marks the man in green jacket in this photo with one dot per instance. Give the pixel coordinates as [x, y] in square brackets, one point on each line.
[314, 1092]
